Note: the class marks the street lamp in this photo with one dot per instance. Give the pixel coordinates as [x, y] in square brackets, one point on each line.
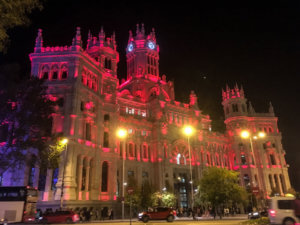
[188, 131]
[121, 134]
[247, 135]
[63, 142]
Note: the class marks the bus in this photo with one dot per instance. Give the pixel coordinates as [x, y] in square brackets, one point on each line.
[18, 204]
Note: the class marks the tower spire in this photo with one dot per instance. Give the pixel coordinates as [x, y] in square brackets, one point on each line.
[77, 43]
[101, 37]
[271, 109]
[39, 41]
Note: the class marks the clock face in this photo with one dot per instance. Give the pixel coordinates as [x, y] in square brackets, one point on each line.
[151, 45]
[130, 47]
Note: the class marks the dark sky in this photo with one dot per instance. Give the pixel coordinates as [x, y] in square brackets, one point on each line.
[202, 48]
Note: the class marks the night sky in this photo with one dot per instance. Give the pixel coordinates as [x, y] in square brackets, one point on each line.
[202, 48]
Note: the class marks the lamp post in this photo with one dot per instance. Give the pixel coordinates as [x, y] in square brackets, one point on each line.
[121, 134]
[63, 142]
[245, 134]
[188, 131]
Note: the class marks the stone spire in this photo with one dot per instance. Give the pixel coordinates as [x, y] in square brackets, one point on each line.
[251, 109]
[130, 38]
[38, 41]
[89, 40]
[271, 109]
[101, 37]
[77, 43]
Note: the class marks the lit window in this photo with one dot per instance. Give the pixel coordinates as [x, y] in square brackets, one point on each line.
[144, 114]
[130, 131]
[131, 111]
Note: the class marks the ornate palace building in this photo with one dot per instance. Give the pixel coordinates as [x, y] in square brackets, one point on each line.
[94, 103]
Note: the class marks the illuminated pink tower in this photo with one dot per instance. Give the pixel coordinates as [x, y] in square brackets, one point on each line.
[142, 54]
[260, 161]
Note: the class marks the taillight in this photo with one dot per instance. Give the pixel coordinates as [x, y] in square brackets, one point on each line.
[272, 212]
[75, 217]
[174, 212]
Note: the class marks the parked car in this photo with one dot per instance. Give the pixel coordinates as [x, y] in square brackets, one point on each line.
[257, 215]
[159, 213]
[66, 216]
[281, 211]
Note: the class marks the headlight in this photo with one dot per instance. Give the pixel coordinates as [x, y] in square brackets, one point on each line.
[255, 214]
[141, 214]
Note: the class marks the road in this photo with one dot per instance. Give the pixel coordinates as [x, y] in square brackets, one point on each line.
[179, 222]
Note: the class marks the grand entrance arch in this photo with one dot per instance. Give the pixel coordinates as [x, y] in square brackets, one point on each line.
[181, 173]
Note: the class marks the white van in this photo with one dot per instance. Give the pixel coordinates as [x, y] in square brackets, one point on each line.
[281, 211]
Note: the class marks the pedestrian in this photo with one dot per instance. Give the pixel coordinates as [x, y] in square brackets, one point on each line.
[111, 217]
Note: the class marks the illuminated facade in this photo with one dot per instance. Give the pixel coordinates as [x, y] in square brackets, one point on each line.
[94, 104]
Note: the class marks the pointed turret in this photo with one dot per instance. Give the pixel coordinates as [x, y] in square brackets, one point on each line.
[271, 109]
[251, 109]
[101, 37]
[193, 100]
[89, 40]
[142, 54]
[77, 43]
[130, 38]
[234, 101]
[38, 41]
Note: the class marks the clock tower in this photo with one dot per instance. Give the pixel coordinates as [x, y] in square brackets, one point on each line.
[142, 55]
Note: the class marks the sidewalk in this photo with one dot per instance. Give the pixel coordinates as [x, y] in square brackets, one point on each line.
[236, 217]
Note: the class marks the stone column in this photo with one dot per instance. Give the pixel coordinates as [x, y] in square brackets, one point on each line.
[47, 193]
[79, 178]
[279, 184]
[87, 179]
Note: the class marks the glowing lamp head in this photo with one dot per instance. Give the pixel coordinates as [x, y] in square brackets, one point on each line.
[245, 134]
[121, 133]
[64, 141]
[261, 134]
[188, 130]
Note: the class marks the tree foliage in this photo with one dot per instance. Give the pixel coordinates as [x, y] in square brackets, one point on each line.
[14, 13]
[25, 121]
[220, 187]
[165, 199]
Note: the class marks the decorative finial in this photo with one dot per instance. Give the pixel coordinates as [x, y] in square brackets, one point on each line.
[143, 29]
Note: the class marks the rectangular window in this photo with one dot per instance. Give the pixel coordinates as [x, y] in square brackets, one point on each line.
[105, 139]
[130, 173]
[88, 131]
[285, 204]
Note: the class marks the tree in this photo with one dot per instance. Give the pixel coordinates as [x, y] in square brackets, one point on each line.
[25, 121]
[14, 13]
[164, 199]
[146, 192]
[219, 187]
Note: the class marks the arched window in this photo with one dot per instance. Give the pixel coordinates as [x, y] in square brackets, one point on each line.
[131, 154]
[64, 72]
[145, 152]
[104, 183]
[272, 159]
[54, 70]
[243, 159]
[107, 63]
[45, 72]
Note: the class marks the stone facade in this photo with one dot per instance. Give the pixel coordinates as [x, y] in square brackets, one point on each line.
[94, 104]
